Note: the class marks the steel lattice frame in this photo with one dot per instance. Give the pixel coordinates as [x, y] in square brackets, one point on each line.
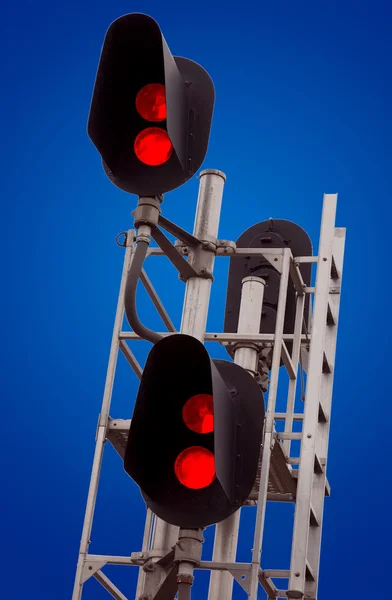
[281, 477]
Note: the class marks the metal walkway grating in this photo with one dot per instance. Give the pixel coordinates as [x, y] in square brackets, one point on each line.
[281, 483]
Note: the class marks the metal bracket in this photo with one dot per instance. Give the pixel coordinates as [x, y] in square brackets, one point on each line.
[140, 558]
[184, 268]
[274, 257]
[226, 247]
[200, 255]
[201, 259]
[90, 568]
[242, 577]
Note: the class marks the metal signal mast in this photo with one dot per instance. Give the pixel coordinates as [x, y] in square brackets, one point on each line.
[223, 446]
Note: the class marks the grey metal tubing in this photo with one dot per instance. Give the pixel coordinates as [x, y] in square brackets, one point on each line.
[130, 294]
[184, 591]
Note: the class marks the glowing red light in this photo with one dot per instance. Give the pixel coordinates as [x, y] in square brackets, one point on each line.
[195, 467]
[153, 146]
[151, 102]
[198, 413]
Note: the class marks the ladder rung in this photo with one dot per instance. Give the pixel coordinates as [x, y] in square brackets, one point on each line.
[283, 416]
[309, 574]
[327, 367]
[305, 259]
[322, 416]
[334, 270]
[318, 465]
[294, 475]
[293, 460]
[292, 435]
[314, 520]
[331, 314]
[276, 573]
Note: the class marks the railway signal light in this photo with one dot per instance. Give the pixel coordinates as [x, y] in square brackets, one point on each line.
[195, 435]
[151, 112]
[274, 233]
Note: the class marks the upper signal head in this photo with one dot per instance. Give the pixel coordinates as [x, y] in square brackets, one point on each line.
[151, 112]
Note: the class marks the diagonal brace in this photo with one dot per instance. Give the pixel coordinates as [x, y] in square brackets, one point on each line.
[156, 301]
[184, 268]
[109, 586]
[178, 232]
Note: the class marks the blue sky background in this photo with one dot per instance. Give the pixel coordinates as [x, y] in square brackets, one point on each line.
[303, 97]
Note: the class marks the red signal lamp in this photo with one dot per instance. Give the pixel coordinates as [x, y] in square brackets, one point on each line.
[198, 413]
[153, 147]
[195, 467]
[151, 102]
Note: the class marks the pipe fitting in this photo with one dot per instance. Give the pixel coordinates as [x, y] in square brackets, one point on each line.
[147, 211]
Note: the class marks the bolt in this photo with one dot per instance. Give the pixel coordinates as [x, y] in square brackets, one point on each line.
[324, 259]
[149, 567]
[297, 574]
[202, 270]
[309, 435]
[275, 260]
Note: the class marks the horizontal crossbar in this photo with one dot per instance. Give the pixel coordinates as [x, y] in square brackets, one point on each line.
[227, 338]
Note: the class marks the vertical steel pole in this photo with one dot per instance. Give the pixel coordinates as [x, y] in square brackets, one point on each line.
[102, 425]
[269, 428]
[197, 293]
[246, 355]
[194, 320]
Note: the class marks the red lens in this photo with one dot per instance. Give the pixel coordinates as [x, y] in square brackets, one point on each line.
[198, 413]
[195, 467]
[151, 102]
[153, 146]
